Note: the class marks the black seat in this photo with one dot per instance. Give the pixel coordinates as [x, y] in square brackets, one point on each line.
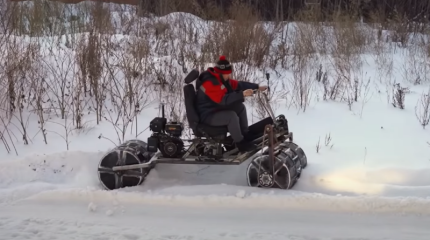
[199, 129]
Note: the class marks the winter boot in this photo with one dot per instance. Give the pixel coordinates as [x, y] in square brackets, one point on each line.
[249, 137]
[245, 146]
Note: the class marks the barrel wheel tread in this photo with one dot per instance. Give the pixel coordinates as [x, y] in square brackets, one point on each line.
[123, 155]
[296, 149]
[260, 165]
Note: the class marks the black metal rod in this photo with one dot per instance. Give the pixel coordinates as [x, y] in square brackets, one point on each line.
[162, 110]
[271, 147]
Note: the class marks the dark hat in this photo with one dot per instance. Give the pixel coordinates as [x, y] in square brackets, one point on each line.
[223, 66]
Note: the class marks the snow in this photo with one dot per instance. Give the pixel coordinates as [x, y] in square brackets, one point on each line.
[370, 182]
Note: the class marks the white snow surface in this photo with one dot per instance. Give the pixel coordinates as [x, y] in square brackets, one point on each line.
[372, 184]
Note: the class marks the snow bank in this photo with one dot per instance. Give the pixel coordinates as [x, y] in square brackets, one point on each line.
[71, 177]
[243, 197]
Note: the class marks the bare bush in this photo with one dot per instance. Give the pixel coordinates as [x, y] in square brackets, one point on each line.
[302, 83]
[350, 40]
[243, 39]
[416, 68]
[327, 143]
[65, 131]
[385, 68]
[89, 59]
[365, 90]
[100, 19]
[6, 135]
[303, 62]
[127, 90]
[318, 145]
[60, 65]
[21, 60]
[38, 101]
[400, 29]
[39, 96]
[399, 94]
[422, 110]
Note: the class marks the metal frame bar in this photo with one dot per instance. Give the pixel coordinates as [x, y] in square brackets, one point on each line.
[235, 160]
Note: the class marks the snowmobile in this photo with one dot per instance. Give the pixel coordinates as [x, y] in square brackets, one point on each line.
[276, 163]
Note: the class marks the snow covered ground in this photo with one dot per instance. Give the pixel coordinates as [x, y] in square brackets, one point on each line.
[57, 197]
[370, 181]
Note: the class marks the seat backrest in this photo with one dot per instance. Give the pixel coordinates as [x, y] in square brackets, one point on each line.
[190, 99]
[193, 75]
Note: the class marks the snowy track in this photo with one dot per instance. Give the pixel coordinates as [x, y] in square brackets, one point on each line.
[50, 220]
[71, 176]
[58, 197]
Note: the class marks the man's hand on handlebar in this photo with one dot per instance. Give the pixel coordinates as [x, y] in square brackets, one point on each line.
[248, 92]
[262, 88]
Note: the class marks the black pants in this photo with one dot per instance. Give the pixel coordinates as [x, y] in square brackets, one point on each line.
[235, 119]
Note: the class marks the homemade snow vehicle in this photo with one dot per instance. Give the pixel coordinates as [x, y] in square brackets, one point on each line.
[276, 163]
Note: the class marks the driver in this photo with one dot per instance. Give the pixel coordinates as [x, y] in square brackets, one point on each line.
[220, 102]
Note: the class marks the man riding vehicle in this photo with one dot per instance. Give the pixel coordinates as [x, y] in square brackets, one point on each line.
[220, 102]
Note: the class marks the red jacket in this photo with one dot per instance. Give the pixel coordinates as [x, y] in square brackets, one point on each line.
[214, 94]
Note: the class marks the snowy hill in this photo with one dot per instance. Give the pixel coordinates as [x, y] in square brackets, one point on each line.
[368, 175]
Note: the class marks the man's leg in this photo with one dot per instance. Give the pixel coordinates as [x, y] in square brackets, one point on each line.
[240, 110]
[229, 118]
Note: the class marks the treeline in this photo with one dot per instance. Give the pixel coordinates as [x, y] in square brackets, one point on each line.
[275, 10]
[270, 10]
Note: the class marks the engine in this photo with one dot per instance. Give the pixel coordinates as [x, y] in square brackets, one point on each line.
[166, 138]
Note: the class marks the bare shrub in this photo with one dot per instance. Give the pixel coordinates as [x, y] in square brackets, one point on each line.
[302, 83]
[6, 135]
[100, 19]
[341, 79]
[416, 68]
[66, 129]
[303, 62]
[60, 65]
[318, 145]
[399, 94]
[385, 67]
[400, 29]
[39, 96]
[347, 63]
[350, 38]
[243, 39]
[422, 110]
[39, 99]
[313, 32]
[365, 90]
[127, 90]
[20, 60]
[327, 143]
[89, 59]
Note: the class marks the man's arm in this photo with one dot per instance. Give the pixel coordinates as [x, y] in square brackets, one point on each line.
[240, 85]
[216, 94]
